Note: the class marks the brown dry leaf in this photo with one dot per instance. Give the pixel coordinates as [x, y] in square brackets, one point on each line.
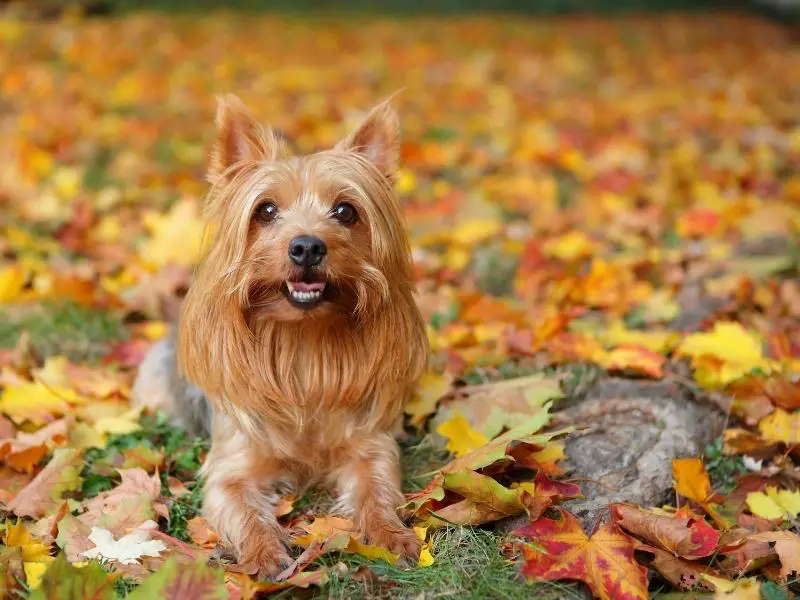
[45, 493]
[201, 533]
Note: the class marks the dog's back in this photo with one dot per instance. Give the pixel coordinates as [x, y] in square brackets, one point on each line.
[159, 386]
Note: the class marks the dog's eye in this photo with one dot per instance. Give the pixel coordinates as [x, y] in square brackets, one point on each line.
[266, 212]
[345, 213]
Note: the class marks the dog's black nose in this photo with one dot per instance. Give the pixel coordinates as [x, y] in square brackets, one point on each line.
[307, 250]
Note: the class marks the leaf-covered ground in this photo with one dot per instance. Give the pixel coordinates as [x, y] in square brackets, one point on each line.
[584, 196]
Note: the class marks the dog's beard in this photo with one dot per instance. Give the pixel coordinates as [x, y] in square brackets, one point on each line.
[351, 298]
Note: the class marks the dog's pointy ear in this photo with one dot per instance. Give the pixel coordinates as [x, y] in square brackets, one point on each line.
[240, 138]
[377, 139]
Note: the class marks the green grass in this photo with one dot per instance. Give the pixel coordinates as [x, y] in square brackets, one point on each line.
[723, 470]
[66, 328]
[468, 566]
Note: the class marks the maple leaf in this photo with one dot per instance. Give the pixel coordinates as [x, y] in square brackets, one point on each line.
[35, 555]
[492, 407]
[773, 503]
[461, 438]
[12, 281]
[734, 350]
[44, 493]
[125, 550]
[126, 506]
[62, 581]
[686, 536]
[178, 581]
[604, 562]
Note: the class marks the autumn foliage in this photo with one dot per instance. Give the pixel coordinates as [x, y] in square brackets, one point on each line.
[622, 194]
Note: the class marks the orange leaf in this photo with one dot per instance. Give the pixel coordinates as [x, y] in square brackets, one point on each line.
[201, 532]
[604, 562]
[631, 357]
[688, 537]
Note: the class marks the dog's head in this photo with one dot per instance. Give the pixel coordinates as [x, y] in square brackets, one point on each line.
[304, 237]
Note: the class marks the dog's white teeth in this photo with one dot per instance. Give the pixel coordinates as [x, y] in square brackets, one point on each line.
[305, 296]
[290, 285]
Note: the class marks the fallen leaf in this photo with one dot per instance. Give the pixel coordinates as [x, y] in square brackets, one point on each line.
[687, 537]
[604, 562]
[787, 545]
[125, 550]
[461, 438]
[45, 493]
[681, 573]
[635, 359]
[62, 581]
[781, 426]
[742, 589]
[179, 581]
[492, 407]
[773, 503]
[430, 388]
[201, 532]
[737, 350]
[691, 481]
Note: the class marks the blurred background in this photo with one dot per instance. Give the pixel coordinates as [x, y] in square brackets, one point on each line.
[595, 189]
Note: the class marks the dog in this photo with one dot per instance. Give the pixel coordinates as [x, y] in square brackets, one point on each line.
[299, 339]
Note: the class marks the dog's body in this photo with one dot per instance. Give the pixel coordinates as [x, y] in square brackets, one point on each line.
[301, 330]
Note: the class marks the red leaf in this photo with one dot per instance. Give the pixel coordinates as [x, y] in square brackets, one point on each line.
[688, 537]
[604, 562]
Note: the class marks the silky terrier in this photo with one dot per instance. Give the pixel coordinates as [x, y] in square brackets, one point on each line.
[299, 339]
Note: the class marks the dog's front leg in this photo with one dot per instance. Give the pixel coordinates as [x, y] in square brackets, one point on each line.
[241, 494]
[369, 489]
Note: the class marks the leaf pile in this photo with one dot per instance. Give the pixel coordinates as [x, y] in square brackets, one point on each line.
[583, 196]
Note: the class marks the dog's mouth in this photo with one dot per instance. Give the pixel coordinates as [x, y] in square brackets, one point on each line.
[304, 294]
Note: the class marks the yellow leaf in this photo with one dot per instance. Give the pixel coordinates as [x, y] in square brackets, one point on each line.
[430, 388]
[12, 280]
[457, 258]
[461, 438]
[120, 425]
[741, 589]
[84, 436]
[371, 552]
[34, 571]
[476, 231]
[182, 223]
[656, 341]
[406, 181]
[53, 372]
[774, 503]
[570, 246]
[425, 556]
[17, 535]
[154, 330]
[735, 349]
[691, 479]
[35, 402]
[67, 182]
[781, 426]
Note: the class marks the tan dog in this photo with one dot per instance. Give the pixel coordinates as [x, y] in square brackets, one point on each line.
[301, 329]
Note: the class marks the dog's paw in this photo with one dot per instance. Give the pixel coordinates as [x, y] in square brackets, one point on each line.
[398, 540]
[264, 553]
